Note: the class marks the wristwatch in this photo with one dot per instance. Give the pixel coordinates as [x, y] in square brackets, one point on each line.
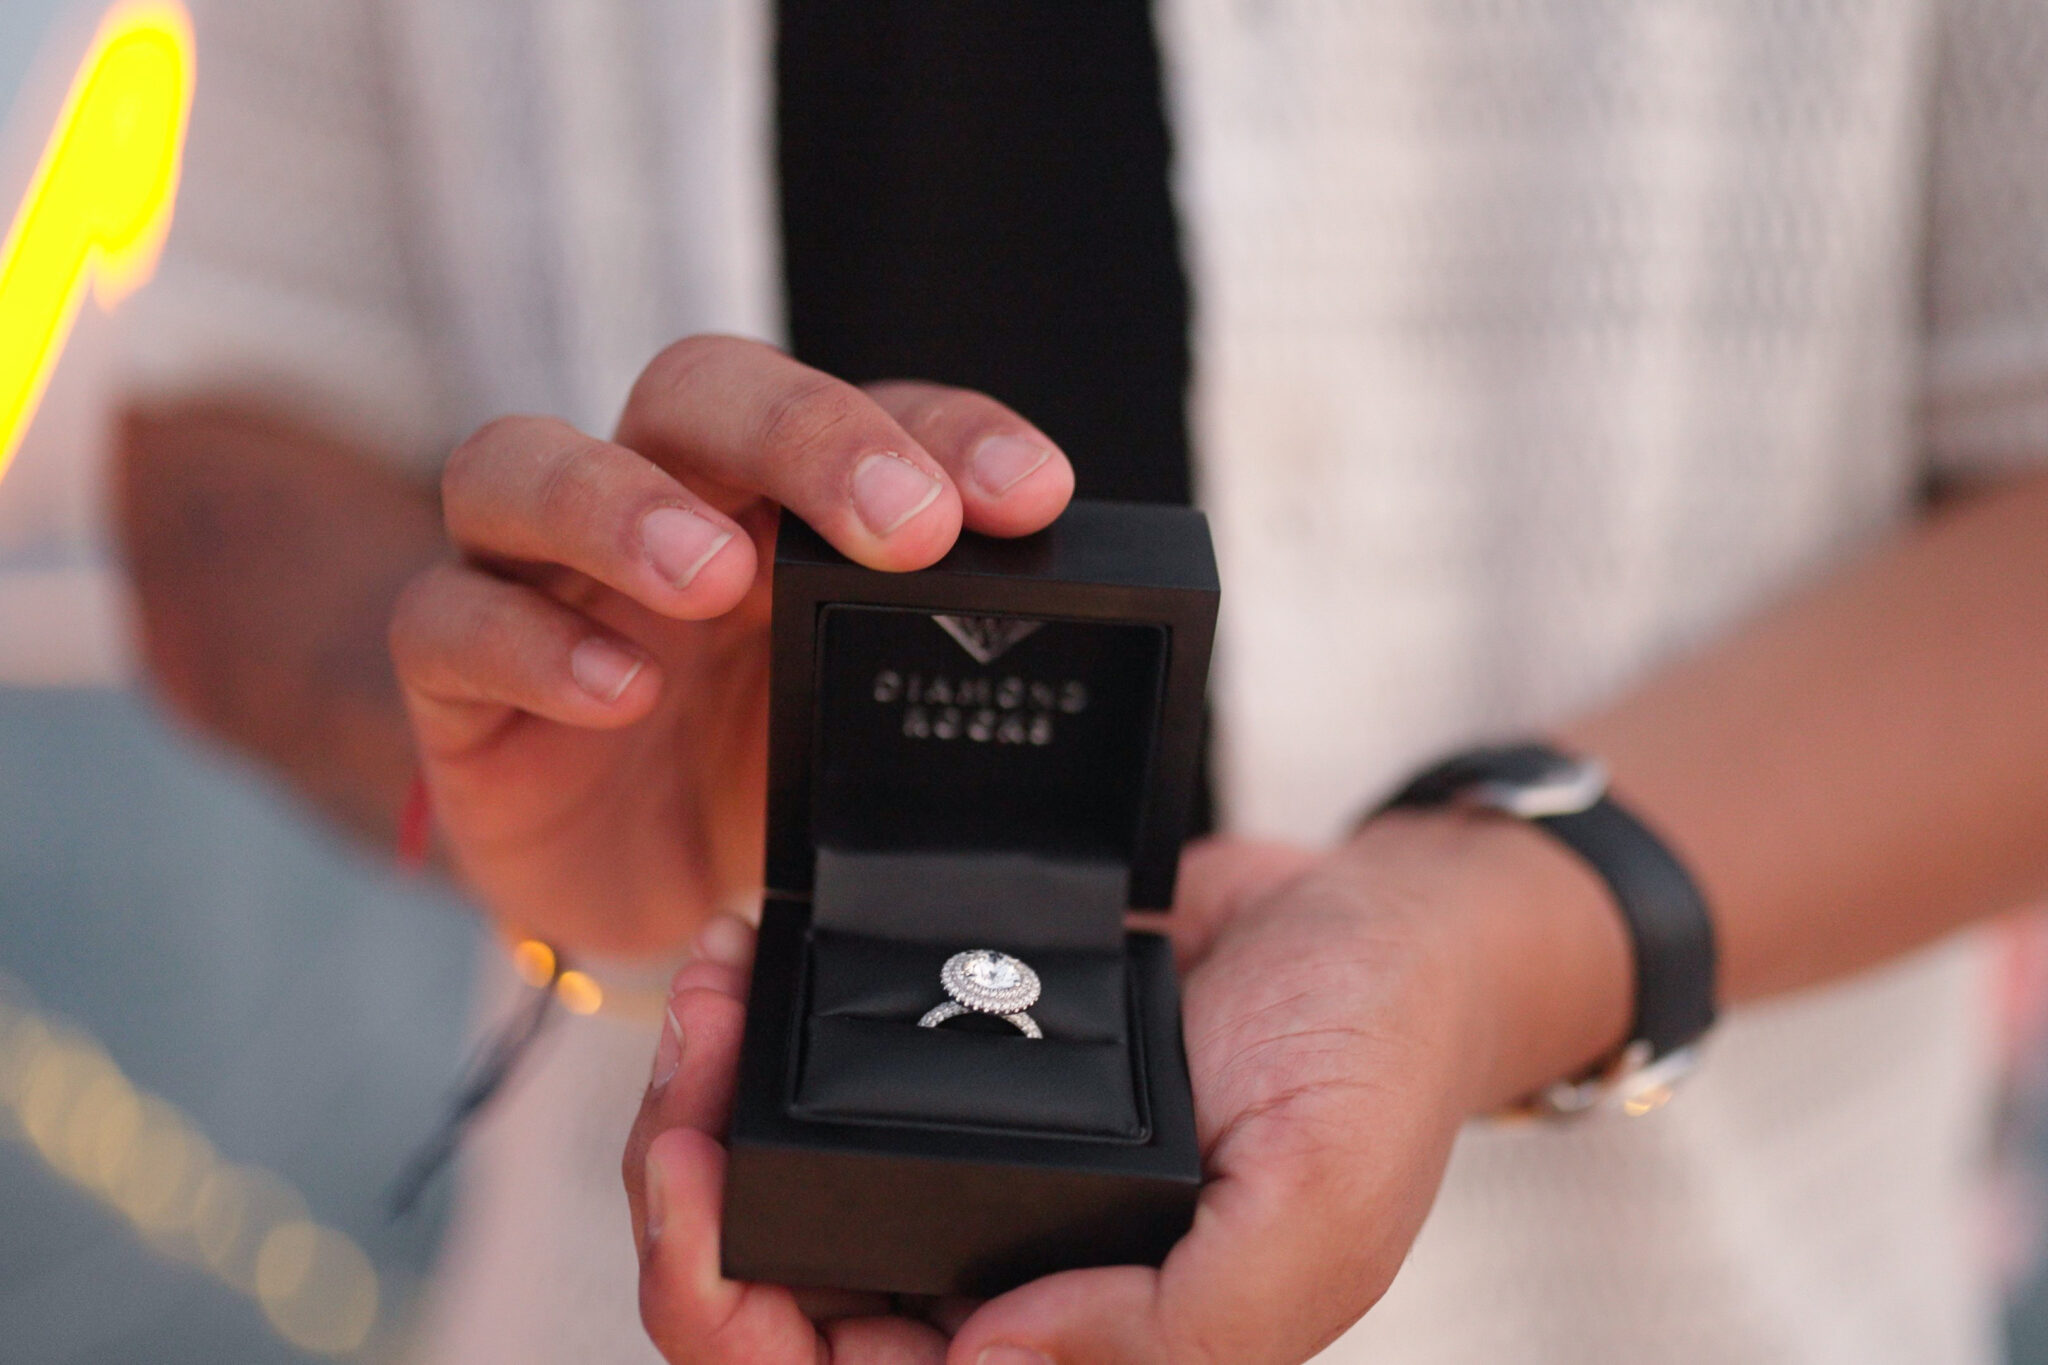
[1666, 917]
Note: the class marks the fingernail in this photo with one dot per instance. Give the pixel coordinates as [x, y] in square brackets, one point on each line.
[680, 543]
[657, 1200]
[668, 1053]
[1002, 462]
[1011, 1355]
[724, 940]
[889, 490]
[603, 670]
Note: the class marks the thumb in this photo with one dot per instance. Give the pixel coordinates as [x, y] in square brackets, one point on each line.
[1295, 1237]
[1255, 1280]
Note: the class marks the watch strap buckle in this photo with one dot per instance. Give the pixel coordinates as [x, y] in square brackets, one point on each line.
[1631, 1082]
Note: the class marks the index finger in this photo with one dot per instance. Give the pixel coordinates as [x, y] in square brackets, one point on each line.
[736, 419]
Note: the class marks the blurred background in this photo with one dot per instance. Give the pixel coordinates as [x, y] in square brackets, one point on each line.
[223, 1029]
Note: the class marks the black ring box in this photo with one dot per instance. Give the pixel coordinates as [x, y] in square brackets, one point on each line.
[998, 751]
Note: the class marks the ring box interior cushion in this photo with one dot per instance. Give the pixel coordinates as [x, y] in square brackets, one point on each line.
[865, 1058]
[997, 752]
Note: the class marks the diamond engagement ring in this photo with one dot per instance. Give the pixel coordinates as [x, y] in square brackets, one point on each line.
[984, 981]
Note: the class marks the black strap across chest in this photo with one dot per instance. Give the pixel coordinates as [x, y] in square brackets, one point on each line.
[978, 194]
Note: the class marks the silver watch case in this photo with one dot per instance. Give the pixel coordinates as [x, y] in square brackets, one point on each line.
[1563, 786]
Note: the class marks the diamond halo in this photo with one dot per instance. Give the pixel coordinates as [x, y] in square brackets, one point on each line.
[989, 982]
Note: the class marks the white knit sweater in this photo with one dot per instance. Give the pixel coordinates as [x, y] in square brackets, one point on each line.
[1536, 339]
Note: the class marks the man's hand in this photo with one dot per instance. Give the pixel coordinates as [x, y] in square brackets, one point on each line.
[589, 684]
[1341, 1023]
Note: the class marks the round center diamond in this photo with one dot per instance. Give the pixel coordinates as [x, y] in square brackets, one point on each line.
[993, 971]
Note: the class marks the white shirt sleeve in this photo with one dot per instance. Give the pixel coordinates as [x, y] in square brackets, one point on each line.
[291, 274]
[1987, 246]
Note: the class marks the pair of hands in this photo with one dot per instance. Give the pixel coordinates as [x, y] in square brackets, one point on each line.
[1328, 1088]
[587, 688]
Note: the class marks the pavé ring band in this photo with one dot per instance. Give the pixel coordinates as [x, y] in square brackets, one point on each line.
[984, 981]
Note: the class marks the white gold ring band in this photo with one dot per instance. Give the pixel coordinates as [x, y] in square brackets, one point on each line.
[953, 1009]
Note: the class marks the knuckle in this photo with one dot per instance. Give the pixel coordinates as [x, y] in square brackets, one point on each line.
[451, 631]
[966, 408]
[905, 399]
[477, 449]
[804, 416]
[922, 406]
[930, 414]
[980, 415]
[573, 478]
[496, 637]
[676, 364]
[476, 462]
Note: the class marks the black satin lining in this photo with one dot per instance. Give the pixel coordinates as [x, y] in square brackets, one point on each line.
[866, 1058]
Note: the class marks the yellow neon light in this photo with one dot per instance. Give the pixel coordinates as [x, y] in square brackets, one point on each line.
[100, 202]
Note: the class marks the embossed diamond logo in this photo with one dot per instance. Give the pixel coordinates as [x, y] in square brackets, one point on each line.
[987, 638]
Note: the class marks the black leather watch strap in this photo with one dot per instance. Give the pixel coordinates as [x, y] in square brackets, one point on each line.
[1661, 906]
[1666, 918]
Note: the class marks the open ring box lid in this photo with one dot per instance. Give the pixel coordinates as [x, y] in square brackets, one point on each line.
[1000, 751]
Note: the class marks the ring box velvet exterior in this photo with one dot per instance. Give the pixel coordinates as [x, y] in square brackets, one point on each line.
[999, 751]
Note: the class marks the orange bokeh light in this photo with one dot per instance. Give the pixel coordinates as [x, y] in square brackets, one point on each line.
[579, 992]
